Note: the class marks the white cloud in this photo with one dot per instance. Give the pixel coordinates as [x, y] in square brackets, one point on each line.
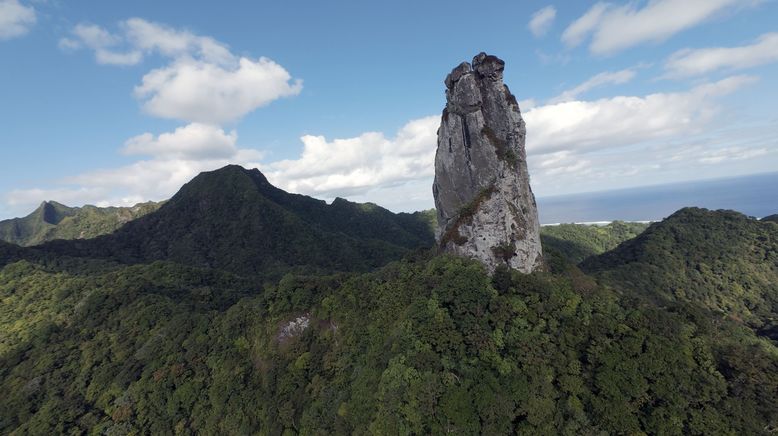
[564, 141]
[153, 37]
[102, 42]
[731, 153]
[575, 145]
[27, 199]
[615, 28]
[154, 178]
[15, 19]
[193, 141]
[561, 162]
[108, 57]
[542, 20]
[601, 79]
[357, 165]
[576, 32]
[689, 62]
[368, 167]
[174, 159]
[94, 36]
[203, 82]
[209, 93]
[138, 37]
[624, 120]
[527, 104]
[668, 160]
[157, 178]
[68, 44]
[553, 58]
[713, 153]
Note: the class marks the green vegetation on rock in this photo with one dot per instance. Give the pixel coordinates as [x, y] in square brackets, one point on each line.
[465, 216]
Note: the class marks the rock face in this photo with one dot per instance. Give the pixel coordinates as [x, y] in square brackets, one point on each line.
[485, 207]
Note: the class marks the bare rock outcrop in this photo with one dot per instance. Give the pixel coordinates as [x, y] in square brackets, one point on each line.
[485, 207]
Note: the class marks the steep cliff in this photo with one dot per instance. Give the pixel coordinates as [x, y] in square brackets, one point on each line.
[485, 207]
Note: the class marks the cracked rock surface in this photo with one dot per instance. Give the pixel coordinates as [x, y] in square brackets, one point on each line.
[485, 207]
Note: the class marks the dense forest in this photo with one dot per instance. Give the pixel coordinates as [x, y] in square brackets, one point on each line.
[722, 261]
[52, 220]
[581, 241]
[668, 333]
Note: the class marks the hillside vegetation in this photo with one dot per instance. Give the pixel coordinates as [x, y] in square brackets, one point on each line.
[52, 220]
[164, 340]
[723, 261]
[233, 219]
[427, 345]
[580, 241]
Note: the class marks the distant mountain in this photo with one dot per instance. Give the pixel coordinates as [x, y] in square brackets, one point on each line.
[233, 219]
[52, 220]
[772, 218]
[721, 260]
[577, 242]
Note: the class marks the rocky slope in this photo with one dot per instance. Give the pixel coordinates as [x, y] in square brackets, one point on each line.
[485, 207]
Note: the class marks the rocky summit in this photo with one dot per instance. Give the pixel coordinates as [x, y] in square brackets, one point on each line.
[485, 207]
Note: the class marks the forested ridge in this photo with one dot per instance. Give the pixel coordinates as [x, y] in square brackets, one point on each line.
[52, 220]
[581, 241]
[720, 260]
[669, 333]
[233, 219]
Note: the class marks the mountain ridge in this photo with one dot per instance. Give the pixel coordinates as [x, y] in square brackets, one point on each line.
[429, 344]
[234, 219]
[722, 260]
[53, 220]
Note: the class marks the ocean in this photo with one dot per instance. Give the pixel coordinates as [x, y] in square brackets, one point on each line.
[755, 195]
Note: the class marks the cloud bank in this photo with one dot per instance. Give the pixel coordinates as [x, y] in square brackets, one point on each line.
[542, 21]
[15, 19]
[203, 81]
[615, 28]
[601, 79]
[569, 144]
[694, 62]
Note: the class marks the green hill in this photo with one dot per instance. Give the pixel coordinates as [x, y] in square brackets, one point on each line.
[233, 219]
[771, 218]
[577, 242]
[52, 220]
[721, 260]
[429, 345]
[176, 324]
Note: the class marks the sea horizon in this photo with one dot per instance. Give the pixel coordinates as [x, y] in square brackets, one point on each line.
[754, 195]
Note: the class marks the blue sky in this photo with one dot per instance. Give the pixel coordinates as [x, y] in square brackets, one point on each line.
[116, 103]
